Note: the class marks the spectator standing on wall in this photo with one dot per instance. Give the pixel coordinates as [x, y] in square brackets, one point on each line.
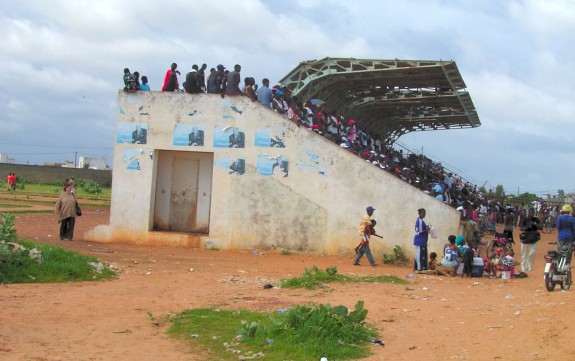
[202, 78]
[420, 241]
[171, 79]
[249, 90]
[191, 84]
[264, 94]
[212, 81]
[221, 79]
[233, 81]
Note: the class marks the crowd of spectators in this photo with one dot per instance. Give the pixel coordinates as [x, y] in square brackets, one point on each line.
[416, 169]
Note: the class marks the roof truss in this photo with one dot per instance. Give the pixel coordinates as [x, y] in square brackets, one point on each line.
[388, 98]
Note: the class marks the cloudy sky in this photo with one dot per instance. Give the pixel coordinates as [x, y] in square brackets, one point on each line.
[62, 64]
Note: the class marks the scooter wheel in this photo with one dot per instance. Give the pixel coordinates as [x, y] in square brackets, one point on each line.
[566, 284]
[549, 284]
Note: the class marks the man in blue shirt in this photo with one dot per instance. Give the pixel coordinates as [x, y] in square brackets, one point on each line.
[265, 95]
[566, 224]
[420, 242]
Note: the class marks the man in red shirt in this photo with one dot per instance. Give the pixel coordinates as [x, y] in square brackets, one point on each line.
[171, 79]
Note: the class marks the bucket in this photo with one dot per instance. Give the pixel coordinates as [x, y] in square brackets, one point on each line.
[478, 266]
[505, 275]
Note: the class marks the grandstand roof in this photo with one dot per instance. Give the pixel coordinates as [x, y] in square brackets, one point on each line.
[388, 98]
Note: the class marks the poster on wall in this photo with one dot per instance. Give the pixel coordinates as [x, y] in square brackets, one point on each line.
[132, 133]
[267, 165]
[229, 137]
[191, 135]
[311, 163]
[131, 158]
[237, 166]
[265, 137]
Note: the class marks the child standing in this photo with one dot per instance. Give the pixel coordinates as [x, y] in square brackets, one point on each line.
[468, 260]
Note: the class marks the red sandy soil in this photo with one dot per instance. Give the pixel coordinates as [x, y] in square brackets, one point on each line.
[431, 318]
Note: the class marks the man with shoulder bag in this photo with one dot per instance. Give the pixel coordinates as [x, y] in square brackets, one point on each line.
[530, 235]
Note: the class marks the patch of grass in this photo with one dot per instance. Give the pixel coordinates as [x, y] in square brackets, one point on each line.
[41, 263]
[314, 277]
[13, 205]
[27, 211]
[51, 189]
[285, 252]
[302, 333]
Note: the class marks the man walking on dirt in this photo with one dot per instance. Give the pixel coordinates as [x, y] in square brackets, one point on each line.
[364, 231]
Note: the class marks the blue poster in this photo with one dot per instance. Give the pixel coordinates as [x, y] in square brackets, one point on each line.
[264, 138]
[131, 157]
[234, 167]
[267, 165]
[229, 137]
[132, 133]
[191, 135]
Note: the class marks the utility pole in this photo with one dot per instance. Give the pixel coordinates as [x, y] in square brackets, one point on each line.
[75, 157]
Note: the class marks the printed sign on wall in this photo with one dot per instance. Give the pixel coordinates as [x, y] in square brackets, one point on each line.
[229, 137]
[131, 158]
[267, 165]
[191, 135]
[265, 138]
[237, 166]
[132, 133]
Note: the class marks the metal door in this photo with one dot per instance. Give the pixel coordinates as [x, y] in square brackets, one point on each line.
[184, 194]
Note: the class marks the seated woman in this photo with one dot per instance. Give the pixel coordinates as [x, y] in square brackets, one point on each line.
[451, 255]
[499, 256]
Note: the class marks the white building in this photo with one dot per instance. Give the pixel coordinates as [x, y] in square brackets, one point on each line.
[5, 159]
[92, 163]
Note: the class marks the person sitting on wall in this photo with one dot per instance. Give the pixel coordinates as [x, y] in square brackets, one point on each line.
[130, 84]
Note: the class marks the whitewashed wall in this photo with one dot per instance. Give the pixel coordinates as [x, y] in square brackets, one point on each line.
[315, 208]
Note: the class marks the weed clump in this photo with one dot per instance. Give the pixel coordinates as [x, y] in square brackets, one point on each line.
[397, 257]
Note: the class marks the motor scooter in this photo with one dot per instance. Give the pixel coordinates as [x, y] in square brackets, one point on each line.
[558, 266]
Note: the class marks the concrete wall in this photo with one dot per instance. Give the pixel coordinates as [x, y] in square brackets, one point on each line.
[312, 200]
[54, 175]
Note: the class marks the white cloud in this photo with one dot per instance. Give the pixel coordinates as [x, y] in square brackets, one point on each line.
[62, 64]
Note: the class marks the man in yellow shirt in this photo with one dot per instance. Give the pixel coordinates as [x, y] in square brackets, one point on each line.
[364, 231]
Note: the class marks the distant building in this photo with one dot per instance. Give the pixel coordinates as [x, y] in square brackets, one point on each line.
[5, 159]
[92, 163]
[68, 164]
[52, 164]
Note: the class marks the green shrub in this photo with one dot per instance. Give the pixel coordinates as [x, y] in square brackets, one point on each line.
[398, 257]
[301, 333]
[20, 182]
[28, 262]
[88, 186]
[7, 228]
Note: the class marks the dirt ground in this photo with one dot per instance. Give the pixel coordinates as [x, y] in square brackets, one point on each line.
[432, 318]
